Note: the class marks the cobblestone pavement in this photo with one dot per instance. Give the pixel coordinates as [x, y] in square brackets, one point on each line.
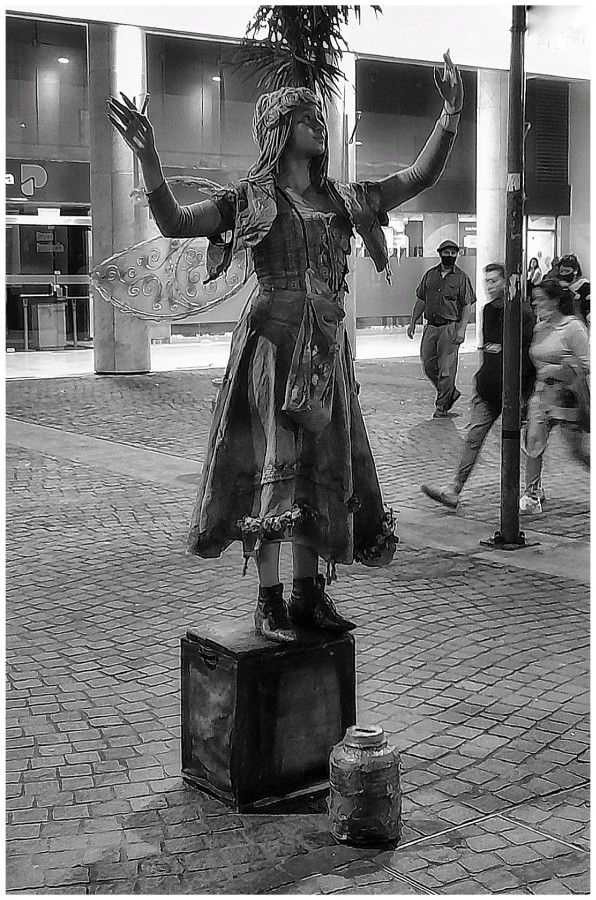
[476, 667]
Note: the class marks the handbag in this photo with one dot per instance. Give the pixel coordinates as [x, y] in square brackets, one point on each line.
[576, 382]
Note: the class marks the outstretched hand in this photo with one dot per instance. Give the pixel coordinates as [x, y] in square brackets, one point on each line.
[450, 85]
[133, 125]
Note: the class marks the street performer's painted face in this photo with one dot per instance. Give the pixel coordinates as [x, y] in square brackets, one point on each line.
[308, 131]
[290, 117]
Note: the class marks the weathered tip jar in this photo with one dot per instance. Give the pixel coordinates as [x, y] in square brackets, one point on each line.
[365, 794]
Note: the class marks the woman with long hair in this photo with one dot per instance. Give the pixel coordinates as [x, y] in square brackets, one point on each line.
[560, 352]
[533, 277]
[288, 457]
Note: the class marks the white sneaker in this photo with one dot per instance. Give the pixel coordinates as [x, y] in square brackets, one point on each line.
[529, 505]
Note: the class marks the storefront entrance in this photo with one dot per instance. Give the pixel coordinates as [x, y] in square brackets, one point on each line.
[541, 241]
[48, 226]
[47, 289]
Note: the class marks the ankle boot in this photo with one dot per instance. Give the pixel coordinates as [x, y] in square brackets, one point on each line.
[311, 607]
[271, 615]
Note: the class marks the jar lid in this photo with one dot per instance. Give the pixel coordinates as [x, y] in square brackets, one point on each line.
[364, 736]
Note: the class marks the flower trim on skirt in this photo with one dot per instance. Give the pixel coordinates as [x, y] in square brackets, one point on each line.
[257, 530]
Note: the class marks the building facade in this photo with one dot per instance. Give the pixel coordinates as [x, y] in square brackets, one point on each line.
[201, 109]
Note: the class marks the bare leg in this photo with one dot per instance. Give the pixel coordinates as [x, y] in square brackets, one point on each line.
[268, 564]
[305, 561]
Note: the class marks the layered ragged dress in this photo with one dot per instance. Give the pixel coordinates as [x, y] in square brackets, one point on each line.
[288, 456]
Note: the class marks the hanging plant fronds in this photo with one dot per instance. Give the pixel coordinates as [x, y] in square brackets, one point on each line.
[302, 47]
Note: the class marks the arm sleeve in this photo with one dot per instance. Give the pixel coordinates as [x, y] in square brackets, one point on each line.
[420, 290]
[528, 322]
[422, 174]
[576, 339]
[207, 218]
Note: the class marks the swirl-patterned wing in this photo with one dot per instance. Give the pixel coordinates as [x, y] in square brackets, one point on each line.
[161, 279]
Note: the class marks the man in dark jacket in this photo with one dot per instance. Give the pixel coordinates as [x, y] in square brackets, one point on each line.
[445, 296]
[488, 383]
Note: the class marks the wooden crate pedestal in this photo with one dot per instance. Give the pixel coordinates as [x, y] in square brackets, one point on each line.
[259, 719]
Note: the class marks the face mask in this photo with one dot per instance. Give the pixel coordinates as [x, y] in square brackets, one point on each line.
[567, 278]
[448, 261]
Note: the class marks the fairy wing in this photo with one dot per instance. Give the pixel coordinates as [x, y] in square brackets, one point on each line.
[162, 279]
[165, 279]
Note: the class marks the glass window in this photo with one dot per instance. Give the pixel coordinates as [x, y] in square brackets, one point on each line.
[399, 106]
[201, 107]
[47, 113]
[542, 223]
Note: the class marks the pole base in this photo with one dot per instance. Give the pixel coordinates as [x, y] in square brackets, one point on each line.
[499, 542]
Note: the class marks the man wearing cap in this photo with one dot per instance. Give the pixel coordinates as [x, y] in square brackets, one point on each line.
[445, 296]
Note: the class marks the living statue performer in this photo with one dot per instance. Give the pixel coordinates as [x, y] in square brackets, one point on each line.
[288, 457]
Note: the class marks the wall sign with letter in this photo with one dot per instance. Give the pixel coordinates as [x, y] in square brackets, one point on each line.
[47, 181]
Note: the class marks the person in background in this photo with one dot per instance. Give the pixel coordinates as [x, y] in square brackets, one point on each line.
[488, 382]
[444, 296]
[569, 274]
[534, 276]
[560, 353]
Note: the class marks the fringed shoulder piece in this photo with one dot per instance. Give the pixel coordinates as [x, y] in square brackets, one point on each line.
[363, 207]
[249, 208]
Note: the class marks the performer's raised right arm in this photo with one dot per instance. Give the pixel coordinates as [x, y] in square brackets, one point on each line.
[172, 219]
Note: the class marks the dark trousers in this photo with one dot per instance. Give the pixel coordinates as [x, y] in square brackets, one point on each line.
[439, 356]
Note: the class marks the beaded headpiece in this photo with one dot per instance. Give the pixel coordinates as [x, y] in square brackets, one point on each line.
[272, 126]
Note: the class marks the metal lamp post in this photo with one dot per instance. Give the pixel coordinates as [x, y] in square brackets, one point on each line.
[510, 536]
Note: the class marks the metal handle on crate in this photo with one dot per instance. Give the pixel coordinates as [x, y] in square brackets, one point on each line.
[210, 659]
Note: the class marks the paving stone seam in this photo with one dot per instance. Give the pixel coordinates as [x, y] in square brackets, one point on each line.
[544, 834]
[501, 815]
[430, 837]
[407, 879]
[85, 440]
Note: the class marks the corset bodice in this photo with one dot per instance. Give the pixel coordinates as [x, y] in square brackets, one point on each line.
[302, 236]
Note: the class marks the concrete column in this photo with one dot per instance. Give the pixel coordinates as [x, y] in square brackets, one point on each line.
[491, 176]
[342, 163]
[116, 63]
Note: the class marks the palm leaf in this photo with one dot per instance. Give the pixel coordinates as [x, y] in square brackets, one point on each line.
[302, 47]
